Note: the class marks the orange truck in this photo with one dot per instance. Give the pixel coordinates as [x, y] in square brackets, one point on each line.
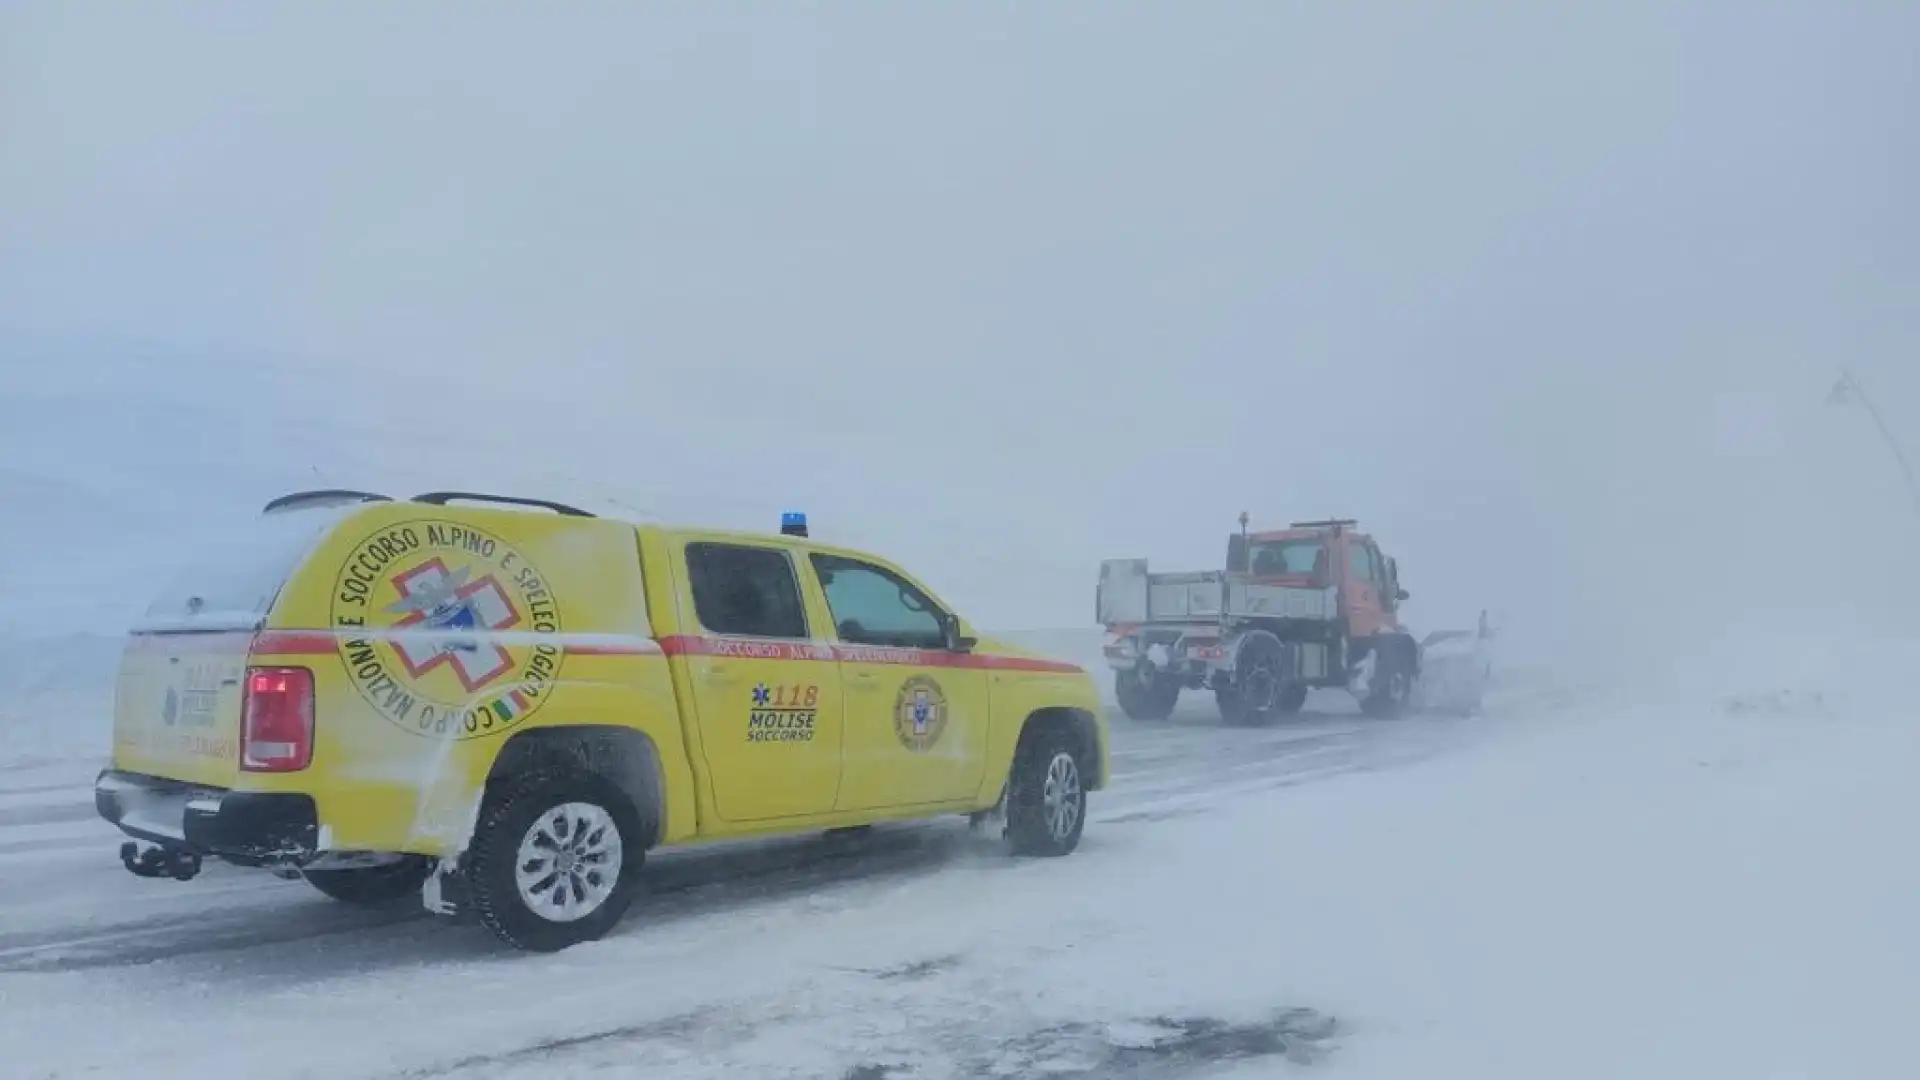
[1313, 605]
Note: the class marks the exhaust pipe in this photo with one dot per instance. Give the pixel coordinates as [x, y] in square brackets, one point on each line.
[176, 863]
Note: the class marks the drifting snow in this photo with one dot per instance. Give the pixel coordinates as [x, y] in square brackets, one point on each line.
[1590, 892]
[59, 704]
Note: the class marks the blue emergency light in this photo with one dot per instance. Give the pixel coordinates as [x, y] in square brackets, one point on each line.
[793, 523]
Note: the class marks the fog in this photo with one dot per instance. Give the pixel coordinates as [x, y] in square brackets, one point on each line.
[1550, 298]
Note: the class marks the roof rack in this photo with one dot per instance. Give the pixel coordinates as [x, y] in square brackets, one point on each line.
[441, 498]
[1334, 523]
[321, 497]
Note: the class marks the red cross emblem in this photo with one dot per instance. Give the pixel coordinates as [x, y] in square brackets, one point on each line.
[445, 601]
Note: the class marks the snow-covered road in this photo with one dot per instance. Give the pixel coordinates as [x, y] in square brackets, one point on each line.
[78, 934]
[1555, 889]
[98, 915]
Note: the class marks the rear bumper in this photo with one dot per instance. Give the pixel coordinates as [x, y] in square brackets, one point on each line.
[247, 827]
[1171, 649]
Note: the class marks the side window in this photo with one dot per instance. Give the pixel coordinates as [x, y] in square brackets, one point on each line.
[871, 606]
[749, 591]
[1363, 564]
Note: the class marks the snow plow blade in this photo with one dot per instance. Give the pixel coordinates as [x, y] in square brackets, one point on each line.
[1455, 668]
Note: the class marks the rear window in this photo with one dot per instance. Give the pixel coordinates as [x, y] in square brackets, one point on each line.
[231, 580]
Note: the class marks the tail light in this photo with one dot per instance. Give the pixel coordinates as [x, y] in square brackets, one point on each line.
[276, 723]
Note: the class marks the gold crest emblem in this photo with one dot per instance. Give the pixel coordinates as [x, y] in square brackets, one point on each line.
[919, 714]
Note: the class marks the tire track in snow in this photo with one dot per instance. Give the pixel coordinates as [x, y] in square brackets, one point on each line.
[1173, 768]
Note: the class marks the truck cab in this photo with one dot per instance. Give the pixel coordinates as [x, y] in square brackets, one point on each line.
[1315, 604]
[1327, 554]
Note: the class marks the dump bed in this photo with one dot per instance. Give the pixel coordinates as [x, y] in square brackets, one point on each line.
[1130, 595]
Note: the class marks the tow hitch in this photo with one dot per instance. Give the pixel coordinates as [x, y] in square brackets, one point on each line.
[176, 863]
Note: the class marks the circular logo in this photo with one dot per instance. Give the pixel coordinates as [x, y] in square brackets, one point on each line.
[446, 630]
[919, 714]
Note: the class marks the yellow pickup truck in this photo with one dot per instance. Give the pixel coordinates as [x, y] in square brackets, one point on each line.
[502, 704]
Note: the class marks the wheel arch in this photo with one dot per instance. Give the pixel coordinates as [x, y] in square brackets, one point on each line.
[1402, 643]
[1076, 723]
[1399, 642]
[1244, 643]
[626, 757]
[1255, 637]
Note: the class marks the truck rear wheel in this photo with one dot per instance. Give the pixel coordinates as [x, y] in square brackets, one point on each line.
[1145, 698]
[1261, 690]
[555, 860]
[373, 886]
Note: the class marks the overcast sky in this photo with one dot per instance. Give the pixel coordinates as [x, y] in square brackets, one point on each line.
[1547, 295]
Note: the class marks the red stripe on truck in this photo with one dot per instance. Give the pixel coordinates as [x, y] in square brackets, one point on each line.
[284, 643]
[759, 649]
[322, 642]
[598, 648]
[292, 643]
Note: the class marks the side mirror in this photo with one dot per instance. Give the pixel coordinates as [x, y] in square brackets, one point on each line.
[1402, 595]
[958, 640]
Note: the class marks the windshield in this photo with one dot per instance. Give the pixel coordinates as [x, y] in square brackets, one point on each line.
[1276, 557]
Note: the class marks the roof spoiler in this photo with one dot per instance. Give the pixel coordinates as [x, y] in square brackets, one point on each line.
[321, 497]
[441, 498]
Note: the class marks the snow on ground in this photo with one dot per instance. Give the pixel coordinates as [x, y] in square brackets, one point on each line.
[1716, 887]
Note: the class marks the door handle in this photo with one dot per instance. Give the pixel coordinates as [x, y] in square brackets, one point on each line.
[864, 680]
[714, 673]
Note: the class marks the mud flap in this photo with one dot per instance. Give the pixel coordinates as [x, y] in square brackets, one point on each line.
[992, 821]
[1360, 682]
[445, 892]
